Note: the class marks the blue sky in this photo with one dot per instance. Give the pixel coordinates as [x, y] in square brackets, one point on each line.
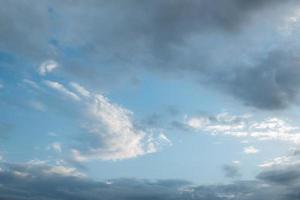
[184, 99]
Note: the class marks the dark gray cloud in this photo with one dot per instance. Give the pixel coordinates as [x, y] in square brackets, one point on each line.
[105, 42]
[289, 175]
[33, 181]
[271, 84]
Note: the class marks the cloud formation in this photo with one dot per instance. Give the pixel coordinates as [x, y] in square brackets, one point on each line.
[231, 170]
[245, 126]
[251, 150]
[37, 180]
[108, 130]
[62, 89]
[47, 67]
[226, 45]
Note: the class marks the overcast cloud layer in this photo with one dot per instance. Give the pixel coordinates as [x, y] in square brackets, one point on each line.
[240, 47]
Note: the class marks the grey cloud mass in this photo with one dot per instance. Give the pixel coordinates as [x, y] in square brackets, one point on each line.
[36, 181]
[272, 84]
[212, 41]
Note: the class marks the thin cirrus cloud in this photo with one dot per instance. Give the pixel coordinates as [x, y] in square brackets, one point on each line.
[245, 126]
[62, 89]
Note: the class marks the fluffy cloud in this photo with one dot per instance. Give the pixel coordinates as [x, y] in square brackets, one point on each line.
[37, 180]
[245, 126]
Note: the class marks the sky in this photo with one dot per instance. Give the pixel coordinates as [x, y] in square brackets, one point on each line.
[139, 99]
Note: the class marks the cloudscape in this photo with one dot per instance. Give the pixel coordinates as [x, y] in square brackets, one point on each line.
[149, 99]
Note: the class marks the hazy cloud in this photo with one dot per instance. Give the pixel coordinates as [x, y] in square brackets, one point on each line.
[231, 170]
[250, 150]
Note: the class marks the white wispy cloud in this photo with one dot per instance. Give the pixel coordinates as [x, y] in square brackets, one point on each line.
[278, 161]
[62, 170]
[250, 150]
[245, 126]
[47, 67]
[62, 89]
[291, 159]
[112, 133]
[109, 129]
[81, 90]
[44, 167]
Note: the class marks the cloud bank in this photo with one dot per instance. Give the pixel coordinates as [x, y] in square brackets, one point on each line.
[241, 48]
[40, 181]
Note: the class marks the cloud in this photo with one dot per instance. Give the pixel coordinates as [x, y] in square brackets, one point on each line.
[251, 150]
[290, 160]
[276, 73]
[36, 168]
[245, 126]
[62, 89]
[56, 146]
[278, 161]
[47, 67]
[193, 38]
[37, 180]
[231, 170]
[107, 130]
[112, 134]
[40, 181]
[81, 90]
[288, 176]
